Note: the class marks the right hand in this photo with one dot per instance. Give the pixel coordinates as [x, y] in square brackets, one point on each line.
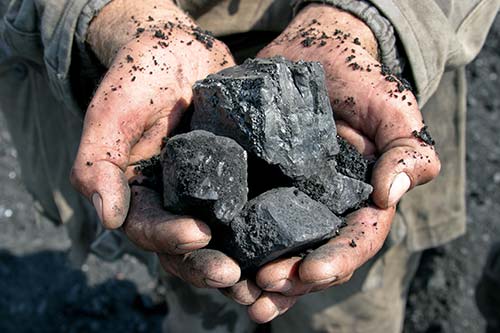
[377, 114]
[139, 102]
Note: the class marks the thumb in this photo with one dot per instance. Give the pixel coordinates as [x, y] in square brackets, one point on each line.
[404, 164]
[106, 186]
[114, 123]
[99, 169]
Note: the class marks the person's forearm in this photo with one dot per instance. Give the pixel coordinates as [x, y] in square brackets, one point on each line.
[123, 20]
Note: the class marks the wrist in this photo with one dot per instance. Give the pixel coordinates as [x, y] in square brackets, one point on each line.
[316, 20]
[176, 50]
[122, 21]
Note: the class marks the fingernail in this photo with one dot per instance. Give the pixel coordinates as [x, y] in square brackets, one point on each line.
[215, 284]
[400, 186]
[192, 246]
[282, 285]
[322, 282]
[97, 202]
[274, 315]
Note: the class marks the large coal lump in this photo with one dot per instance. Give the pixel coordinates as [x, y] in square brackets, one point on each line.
[204, 175]
[280, 221]
[276, 109]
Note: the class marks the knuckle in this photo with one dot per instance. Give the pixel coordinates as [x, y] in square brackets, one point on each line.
[134, 231]
[346, 278]
[437, 167]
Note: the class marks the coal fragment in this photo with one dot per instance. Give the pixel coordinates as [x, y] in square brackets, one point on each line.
[151, 169]
[424, 135]
[278, 222]
[350, 162]
[204, 175]
[339, 193]
[274, 108]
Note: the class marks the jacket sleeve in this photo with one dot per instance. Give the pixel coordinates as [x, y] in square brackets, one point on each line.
[435, 34]
[48, 32]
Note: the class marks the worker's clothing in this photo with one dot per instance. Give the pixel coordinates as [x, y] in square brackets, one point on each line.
[47, 76]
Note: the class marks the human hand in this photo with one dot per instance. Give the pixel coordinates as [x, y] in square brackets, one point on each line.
[377, 113]
[154, 57]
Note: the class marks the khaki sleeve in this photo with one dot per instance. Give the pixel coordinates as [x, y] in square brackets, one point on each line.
[45, 32]
[438, 34]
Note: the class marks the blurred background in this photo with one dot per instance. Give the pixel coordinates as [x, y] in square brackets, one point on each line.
[40, 292]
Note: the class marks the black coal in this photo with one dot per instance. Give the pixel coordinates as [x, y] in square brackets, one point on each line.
[302, 177]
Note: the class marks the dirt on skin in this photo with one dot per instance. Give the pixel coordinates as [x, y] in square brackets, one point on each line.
[41, 293]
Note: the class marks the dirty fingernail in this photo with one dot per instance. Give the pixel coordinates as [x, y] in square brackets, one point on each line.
[282, 286]
[400, 186]
[323, 282]
[274, 315]
[215, 284]
[97, 202]
[192, 246]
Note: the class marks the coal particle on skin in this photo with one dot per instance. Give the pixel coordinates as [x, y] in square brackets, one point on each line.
[279, 222]
[424, 135]
[204, 175]
[203, 36]
[151, 170]
[275, 109]
[350, 162]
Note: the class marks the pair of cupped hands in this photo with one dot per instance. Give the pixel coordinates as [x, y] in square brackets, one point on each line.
[148, 87]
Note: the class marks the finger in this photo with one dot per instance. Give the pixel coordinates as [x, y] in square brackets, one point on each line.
[103, 155]
[105, 185]
[324, 286]
[277, 276]
[362, 144]
[404, 164]
[281, 276]
[294, 286]
[203, 268]
[363, 237]
[152, 228]
[269, 306]
[244, 292]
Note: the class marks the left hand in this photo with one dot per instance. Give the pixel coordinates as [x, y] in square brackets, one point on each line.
[153, 64]
[376, 113]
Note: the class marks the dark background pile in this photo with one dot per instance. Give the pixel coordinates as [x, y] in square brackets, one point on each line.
[40, 293]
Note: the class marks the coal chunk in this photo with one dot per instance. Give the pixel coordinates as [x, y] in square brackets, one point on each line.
[336, 191]
[152, 171]
[274, 108]
[351, 163]
[204, 175]
[278, 222]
